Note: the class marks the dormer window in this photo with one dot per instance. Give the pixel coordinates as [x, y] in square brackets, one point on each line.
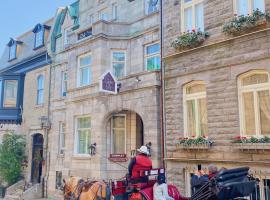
[13, 49]
[39, 31]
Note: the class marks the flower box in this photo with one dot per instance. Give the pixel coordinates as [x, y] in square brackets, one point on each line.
[199, 143]
[194, 146]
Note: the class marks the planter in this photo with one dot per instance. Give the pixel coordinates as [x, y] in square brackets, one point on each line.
[193, 146]
[252, 146]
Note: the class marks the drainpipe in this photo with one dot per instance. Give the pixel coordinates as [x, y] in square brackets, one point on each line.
[162, 91]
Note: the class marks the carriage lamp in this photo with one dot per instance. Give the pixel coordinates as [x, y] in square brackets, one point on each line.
[148, 145]
[92, 149]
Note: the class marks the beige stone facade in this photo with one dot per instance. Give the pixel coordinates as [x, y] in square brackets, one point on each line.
[219, 64]
[138, 99]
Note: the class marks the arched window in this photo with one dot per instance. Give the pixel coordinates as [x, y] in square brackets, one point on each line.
[254, 103]
[195, 110]
[40, 89]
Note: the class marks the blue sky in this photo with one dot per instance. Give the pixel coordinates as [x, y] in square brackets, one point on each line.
[19, 16]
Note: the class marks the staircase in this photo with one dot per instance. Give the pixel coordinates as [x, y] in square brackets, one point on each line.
[15, 191]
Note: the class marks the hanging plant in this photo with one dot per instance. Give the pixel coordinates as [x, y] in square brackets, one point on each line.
[189, 40]
[243, 23]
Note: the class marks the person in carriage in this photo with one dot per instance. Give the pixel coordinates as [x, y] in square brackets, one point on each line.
[160, 189]
[139, 163]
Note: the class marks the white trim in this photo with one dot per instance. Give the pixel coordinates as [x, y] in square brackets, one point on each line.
[118, 115]
[191, 4]
[195, 97]
[254, 88]
[75, 153]
[125, 61]
[250, 6]
[79, 67]
[147, 56]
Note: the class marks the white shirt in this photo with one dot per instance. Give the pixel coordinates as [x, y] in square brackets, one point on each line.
[161, 192]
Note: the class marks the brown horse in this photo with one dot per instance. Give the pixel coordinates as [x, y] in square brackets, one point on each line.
[78, 189]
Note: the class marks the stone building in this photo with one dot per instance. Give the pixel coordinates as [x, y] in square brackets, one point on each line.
[24, 81]
[105, 83]
[219, 89]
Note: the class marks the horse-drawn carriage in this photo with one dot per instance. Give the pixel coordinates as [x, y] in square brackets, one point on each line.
[226, 185]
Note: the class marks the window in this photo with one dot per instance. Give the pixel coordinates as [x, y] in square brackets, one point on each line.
[62, 130]
[10, 93]
[118, 63]
[192, 15]
[12, 51]
[84, 70]
[91, 19]
[151, 6]
[66, 37]
[254, 101]
[152, 57]
[40, 90]
[58, 180]
[245, 7]
[114, 11]
[39, 38]
[195, 110]
[118, 127]
[104, 15]
[64, 84]
[83, 132]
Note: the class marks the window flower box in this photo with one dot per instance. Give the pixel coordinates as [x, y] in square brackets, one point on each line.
[200, 143]
[246, 23]
[189, 40]
[251, 143]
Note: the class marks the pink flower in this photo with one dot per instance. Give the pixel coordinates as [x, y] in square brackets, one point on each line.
[193, 30]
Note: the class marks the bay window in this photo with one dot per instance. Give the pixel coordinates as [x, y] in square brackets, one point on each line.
[10, 93]
[118, 127]
[192, 15]
[195, 110]
[118, 63]
[254, 103]
[84, 70]
[245, 7]
[152, 57]
[83, 133]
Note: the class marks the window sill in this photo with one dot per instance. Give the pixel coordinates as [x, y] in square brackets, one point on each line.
[81, 157]
[38, 47]
[252, 146]
[10, 60]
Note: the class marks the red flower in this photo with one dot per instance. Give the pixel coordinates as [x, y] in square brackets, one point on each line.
[235, 15]
[193, 30]
[193, 136]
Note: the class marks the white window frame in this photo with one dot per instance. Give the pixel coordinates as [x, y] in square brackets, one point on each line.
[114, 11]
[63, 82]
[41, 32]
[76, 135]
[79, 67]
[147, 56]
[112, 141]
[125, 62]
[41, 102]
[196, 97]
[66, 39]
[62, 138]
[184, 5]
[250, 6]
[254, 88]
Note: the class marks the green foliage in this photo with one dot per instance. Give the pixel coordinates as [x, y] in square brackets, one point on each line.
[12, 154]
[190, 39]
[244, 22]
[242, 140]
[195, 141]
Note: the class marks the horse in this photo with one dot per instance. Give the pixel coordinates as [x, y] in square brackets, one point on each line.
[78, 189]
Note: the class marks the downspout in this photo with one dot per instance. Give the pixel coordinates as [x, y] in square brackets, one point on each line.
[162, 91]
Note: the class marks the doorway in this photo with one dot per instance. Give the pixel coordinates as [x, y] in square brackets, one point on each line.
[37, 158]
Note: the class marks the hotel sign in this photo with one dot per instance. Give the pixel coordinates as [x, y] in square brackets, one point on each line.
[108, 83]
[118, 157]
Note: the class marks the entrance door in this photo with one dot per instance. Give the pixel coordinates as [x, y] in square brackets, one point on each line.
[37, 158]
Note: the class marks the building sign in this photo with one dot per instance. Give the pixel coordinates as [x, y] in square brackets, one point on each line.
[118, 158]
[108, 83]
[85, 34]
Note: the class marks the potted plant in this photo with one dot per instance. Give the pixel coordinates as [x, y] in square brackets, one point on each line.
[188, 40]
[201, 142]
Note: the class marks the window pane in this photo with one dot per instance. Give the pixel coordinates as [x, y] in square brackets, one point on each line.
[188, 19]
[118, 56]
[64, 83]
[242, 7]
[264, 103]
[40, 82]
[258, 4]
[151, 6]
[85, 76]
[153, 63]
[152, 49]
[84, 122]
[85, 61]
[118, 141]
[196, 88]
[83, 141]
[249, 111]
[191, 121]
[12, 51]
[199, 16]
[118, 69]
[202, 110]
[119, 122]
[255, 79]
[10, 93]
[40, 96]
[39, 38]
